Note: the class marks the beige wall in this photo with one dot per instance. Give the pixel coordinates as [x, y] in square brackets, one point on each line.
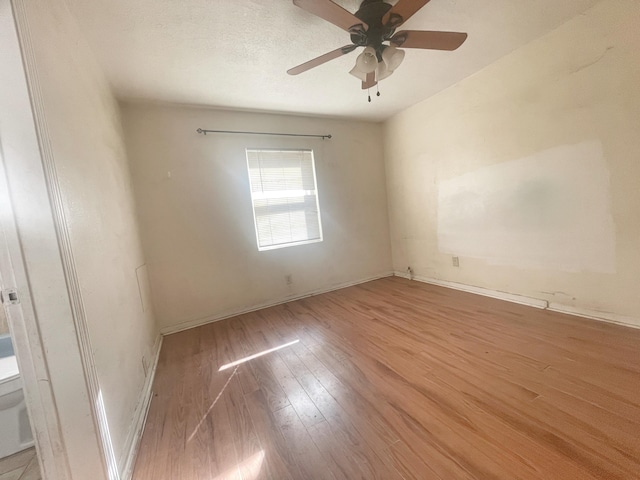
[197, 221]
[529, 172]
[80, 131]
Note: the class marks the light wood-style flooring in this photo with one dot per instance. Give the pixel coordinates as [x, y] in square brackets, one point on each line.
[395, 379]
[20, 466]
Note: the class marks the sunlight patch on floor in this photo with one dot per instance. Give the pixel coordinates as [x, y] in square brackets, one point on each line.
[256, 355]
[248, 469]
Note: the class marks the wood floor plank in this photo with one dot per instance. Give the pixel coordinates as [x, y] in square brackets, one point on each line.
[410, 465]
[311, 462]
[234, 335]
[280, 460]
[396, 379]
[246, 441]
[345, 460]
[197, 463]
[363, 410]
[257, 342]
[298, 397]
[357, 431]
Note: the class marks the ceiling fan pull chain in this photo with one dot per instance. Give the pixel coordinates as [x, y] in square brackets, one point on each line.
[369, 94]
[378, 89]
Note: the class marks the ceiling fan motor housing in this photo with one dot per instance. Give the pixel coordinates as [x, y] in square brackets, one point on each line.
[371, 13]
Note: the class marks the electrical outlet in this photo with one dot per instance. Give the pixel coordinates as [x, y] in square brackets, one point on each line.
[456, 261]
[288, 279]
[410, 272]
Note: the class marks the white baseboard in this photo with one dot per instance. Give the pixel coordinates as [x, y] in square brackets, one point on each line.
[595, 315]
[530, 301]
[127, 460]
[228, 314]
[509, 297]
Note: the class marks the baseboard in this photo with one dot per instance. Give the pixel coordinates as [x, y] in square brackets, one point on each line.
[127, 461]
[530, 301]
[596, 315]
[203, 321]
[509, 297]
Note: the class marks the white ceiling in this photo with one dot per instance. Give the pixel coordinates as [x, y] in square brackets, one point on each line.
[235, 53]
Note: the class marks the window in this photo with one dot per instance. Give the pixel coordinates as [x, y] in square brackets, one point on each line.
[284, 197]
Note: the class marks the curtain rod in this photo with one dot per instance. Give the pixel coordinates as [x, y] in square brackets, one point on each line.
[200, 130]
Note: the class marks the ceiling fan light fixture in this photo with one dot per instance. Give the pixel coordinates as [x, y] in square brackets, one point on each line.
[392, 57]
[382, 72]
[367, 61]
[358, 74]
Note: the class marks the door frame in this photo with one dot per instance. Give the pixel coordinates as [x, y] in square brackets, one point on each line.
[27, 342]
[53, 375]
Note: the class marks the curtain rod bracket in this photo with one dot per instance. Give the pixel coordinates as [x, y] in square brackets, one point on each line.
[204, 132]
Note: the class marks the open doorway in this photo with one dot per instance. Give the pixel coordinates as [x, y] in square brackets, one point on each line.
[31, 407]
[18, 457]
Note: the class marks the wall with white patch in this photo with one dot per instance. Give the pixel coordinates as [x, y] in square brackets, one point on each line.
[551, 210]
[528, 171]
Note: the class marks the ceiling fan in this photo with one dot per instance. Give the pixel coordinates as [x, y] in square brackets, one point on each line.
[371, 26]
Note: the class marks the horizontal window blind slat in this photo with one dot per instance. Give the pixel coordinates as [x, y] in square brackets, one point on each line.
[284, 197]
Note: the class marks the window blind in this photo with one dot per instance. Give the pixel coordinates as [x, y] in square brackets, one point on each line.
[284, 197]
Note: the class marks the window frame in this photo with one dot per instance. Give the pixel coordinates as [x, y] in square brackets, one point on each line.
[317, 195]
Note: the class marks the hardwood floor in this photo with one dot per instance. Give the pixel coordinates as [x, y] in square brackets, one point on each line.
[20, 466]
[395, 379]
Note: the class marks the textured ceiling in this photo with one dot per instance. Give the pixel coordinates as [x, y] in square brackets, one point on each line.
[235, 54]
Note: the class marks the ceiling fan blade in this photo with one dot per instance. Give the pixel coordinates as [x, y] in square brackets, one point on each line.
[338, 52]
[428, 40]
[404, 9]
[370, 81]
[331, 12]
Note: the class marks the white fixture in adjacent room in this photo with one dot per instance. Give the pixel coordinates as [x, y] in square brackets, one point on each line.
[15, 430]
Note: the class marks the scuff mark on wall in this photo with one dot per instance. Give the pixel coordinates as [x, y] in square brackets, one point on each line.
[593, 62]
